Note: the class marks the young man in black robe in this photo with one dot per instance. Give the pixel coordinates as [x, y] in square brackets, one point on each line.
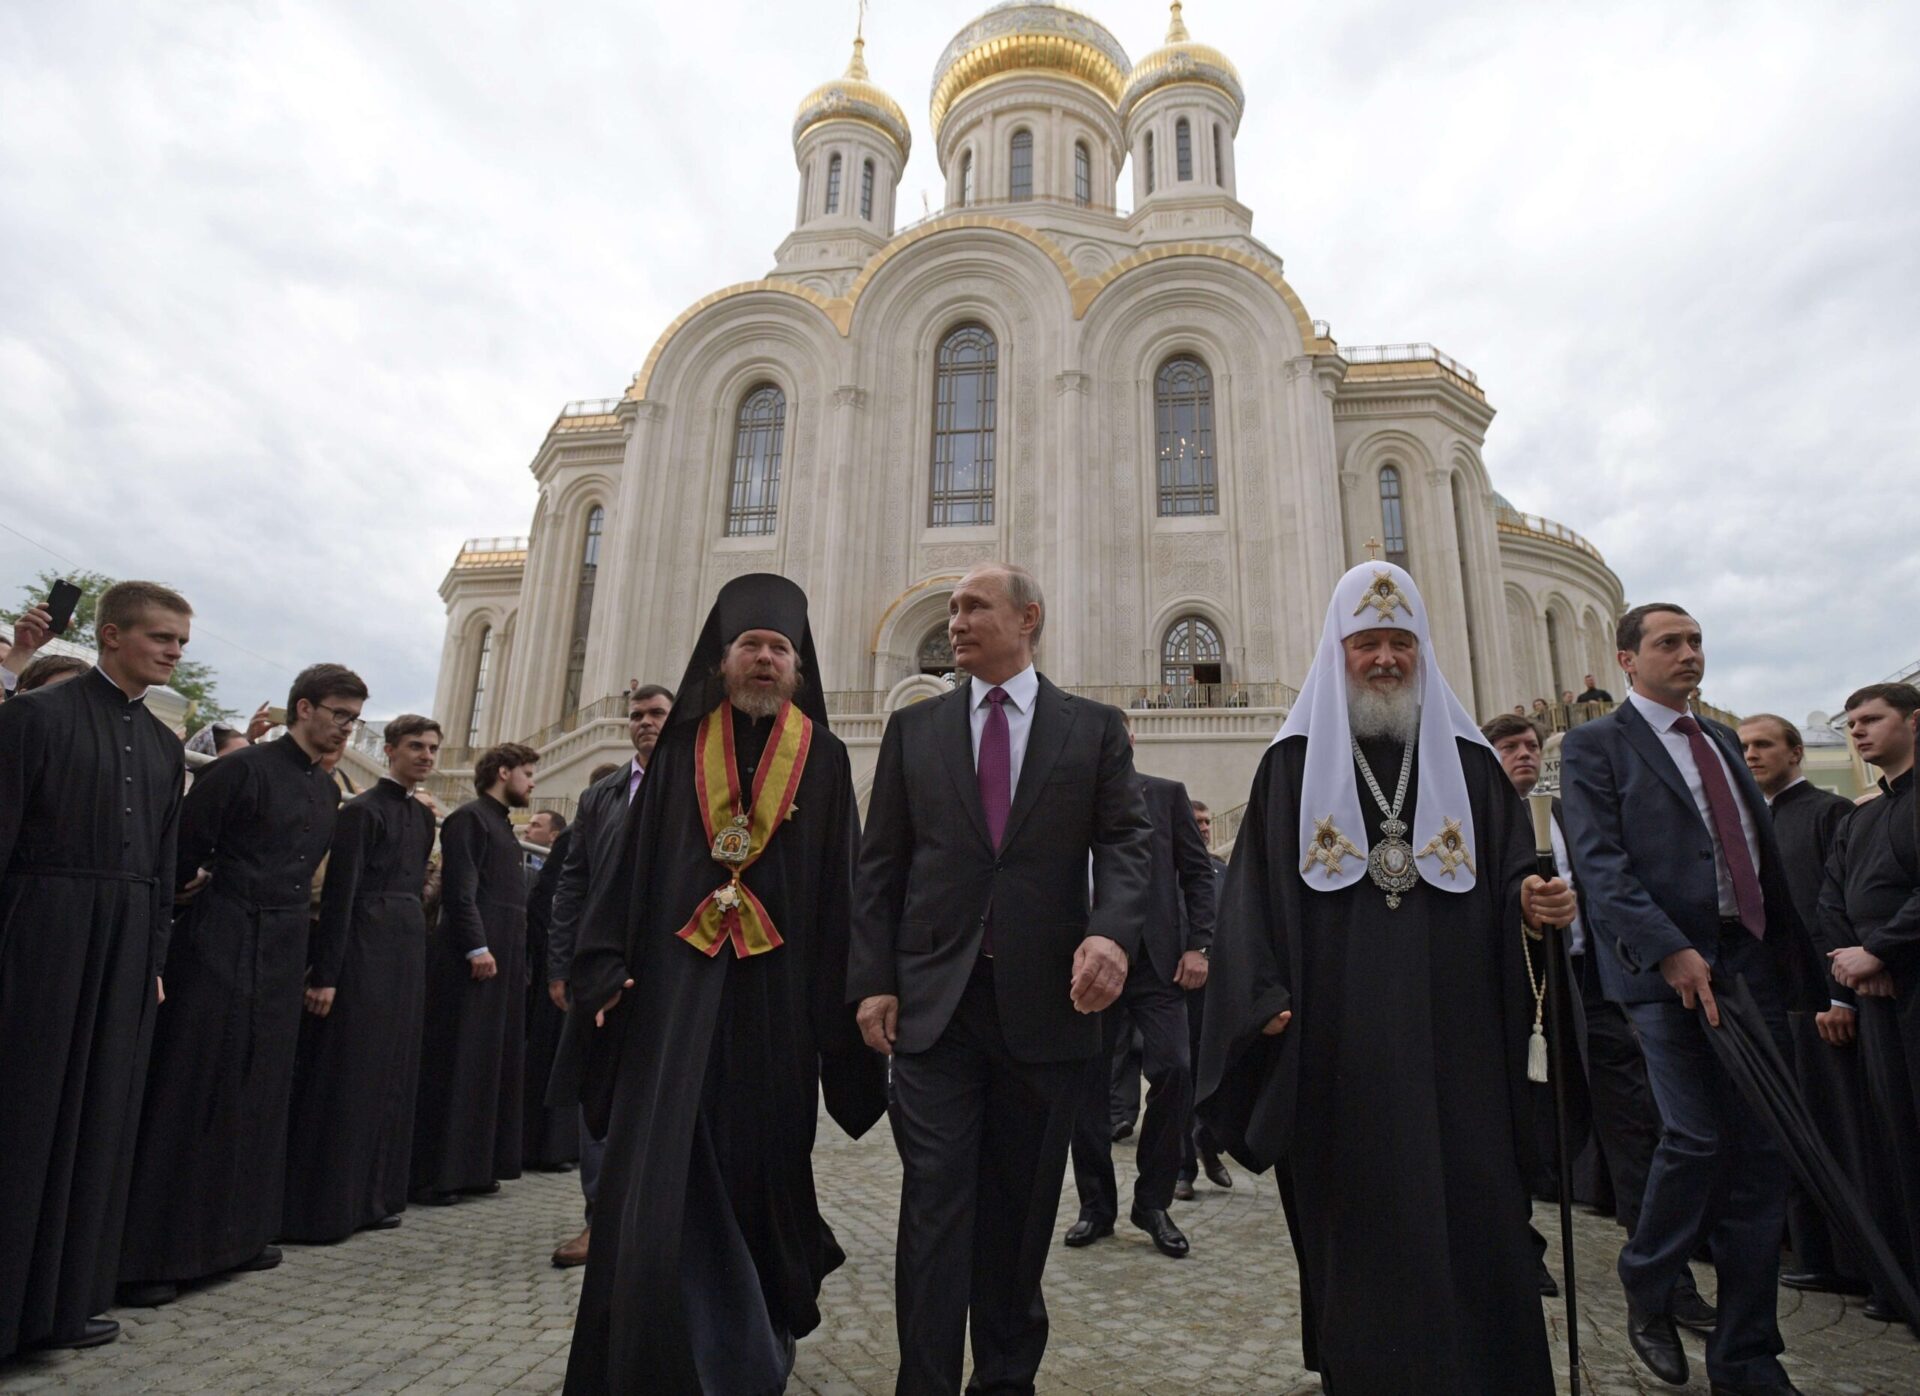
[551, 1136]
[90, 788]
[1367, 1014]
[1826, 1055]
[210, 1169]
[708, 986]
[1870, 921]
[350, 1125]
[466, 1128]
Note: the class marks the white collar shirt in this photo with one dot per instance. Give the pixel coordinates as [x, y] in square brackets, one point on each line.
[635, 774]
[1770, 799]
[1023, 691]
[1661, 718]
[1576, 932]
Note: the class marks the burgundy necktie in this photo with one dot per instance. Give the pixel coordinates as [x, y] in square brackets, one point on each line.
[995, 775]
[1726, 827]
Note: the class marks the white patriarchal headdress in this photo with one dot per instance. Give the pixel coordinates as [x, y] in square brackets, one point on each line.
[1372, 596]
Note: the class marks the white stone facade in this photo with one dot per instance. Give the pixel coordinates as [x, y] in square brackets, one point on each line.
[1085, 307]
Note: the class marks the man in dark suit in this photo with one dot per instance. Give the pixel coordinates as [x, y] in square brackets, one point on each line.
[592, 851]
[1200, 1151]
[1684, 890]
[1173, 960]
[979, 965]
[1825, 1055]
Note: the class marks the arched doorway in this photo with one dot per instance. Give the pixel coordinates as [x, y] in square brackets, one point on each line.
[935, 655]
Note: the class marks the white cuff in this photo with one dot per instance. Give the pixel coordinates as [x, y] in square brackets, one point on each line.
[476, 954]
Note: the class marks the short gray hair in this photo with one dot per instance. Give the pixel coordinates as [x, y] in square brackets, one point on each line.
[1023, 589]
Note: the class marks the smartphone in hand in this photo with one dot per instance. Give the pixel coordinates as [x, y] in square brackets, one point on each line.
[60, 603]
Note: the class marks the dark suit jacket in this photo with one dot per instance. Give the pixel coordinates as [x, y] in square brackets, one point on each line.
[594, 843]
[1180, 890]
[928, 872]
[1643, 859]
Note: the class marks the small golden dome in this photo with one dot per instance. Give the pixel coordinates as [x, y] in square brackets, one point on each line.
[853, 97]
[1028, 36]
[1180, 59]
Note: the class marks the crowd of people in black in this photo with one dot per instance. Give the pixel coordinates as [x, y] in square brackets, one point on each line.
[244, 1004]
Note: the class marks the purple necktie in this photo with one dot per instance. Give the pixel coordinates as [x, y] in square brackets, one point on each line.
[995, 774]
[1726, 827]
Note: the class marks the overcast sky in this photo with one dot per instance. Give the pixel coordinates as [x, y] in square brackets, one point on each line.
[289, 293]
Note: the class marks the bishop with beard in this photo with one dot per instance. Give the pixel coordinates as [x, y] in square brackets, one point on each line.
[709, 992]
[1367, 1014]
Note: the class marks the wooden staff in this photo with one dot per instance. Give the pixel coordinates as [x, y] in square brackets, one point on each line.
[1540, 806]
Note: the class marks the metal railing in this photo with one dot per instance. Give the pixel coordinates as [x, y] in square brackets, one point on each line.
[1510, 520]
[1138, 697]
[1564, 717]
[492, 552]
[1407, 354]
[991, 205]
[613, 705]
[1226, 826]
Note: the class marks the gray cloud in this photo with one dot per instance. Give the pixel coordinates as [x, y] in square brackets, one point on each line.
[293, 292]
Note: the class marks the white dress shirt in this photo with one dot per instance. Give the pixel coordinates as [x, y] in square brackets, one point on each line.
[1022, 690]
[1576, 933]
[1661, 718]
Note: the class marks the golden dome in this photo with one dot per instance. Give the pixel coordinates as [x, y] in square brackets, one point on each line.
[852, 97]
[1182, 60]
[1028, 36]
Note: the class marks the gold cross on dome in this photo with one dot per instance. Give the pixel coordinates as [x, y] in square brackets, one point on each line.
[1373, 549]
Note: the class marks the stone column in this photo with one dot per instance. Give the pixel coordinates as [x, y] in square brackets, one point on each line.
[1446, 596]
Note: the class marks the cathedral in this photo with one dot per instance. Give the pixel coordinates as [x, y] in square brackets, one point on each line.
[1127, 396]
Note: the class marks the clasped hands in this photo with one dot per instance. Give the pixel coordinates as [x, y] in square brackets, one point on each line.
[1862, 971]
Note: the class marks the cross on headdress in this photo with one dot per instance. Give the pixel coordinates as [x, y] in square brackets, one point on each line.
[1373, 549]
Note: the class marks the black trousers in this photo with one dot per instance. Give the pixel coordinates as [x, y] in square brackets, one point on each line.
[1159, 1010]
[1889, 1044]
[983, 1140]
[1626, 1118]
[1197, 1137]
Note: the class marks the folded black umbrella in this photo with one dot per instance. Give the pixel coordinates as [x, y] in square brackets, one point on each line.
[1747, 1050]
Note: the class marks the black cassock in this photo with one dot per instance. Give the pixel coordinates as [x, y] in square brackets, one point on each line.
[551, 1136]
[89, 809]
[1393, 1105]
[708, 1243]
[211, 1165]
[350, 1126]
[466, 1126]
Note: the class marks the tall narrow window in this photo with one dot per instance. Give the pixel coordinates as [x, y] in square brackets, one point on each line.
[1556, 666]
[1021, 184]
[1082, 174]
[1463, 549]
[866, 190]
[480, 667]
[1190, 654]
[582, 612]
[1219, 169]
[963, 427]
[1149, 162]
[1183, 416]
[759, 430]
[1183, 149]
[966, 180]
[1393, 523]
[833, 185]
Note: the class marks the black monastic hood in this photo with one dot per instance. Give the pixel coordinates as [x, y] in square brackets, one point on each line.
[757, 601]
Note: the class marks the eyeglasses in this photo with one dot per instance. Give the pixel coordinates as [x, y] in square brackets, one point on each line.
[340, 717]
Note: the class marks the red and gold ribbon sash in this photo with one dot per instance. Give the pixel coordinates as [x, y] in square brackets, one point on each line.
[731, 914]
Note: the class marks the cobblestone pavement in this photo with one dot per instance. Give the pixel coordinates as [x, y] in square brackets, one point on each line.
[461, 1299]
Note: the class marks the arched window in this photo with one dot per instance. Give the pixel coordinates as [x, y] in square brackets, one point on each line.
[1190, 655]
[1183, 417]
[1393, 523]
[759, 428]
[480, 667]
[582, 612]
[833, 185]
[1020, 186]
[936, 652]
[1149, 162]
[1082, 174]
[966, 180]
[1219, 166]
[1556, 662]
[963, 427]
[866, 190]
[1183, 149]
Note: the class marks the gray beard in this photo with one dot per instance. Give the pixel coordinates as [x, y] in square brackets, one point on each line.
[1371, 714]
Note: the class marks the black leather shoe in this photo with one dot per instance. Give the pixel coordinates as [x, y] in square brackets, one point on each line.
[1820, 1282]
[92, 1334]
[1879, 1310]
[1216, 1171]
[1167, 1238]
[1549, 1288]
[1183, 1190]
[146, 1296]
[1689, 1310]
[1657, 1343]
[434, 1199]
[1124, 1130]
[1088, 1230]
[268, 1258]
[384, 1224]
[1778, 1388]
[484, 1190]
